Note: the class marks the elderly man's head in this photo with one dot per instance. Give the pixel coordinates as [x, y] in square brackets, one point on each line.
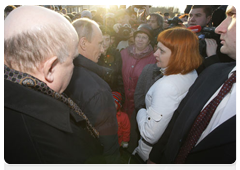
[42, 43]
[90, 38]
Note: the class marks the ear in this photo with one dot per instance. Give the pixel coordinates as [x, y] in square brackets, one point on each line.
[49, 68]
[82, 45]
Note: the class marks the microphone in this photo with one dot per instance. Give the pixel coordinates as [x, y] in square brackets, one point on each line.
[196, 28]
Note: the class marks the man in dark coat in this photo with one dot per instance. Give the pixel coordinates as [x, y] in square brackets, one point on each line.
[111, 61]
[216, 142]
[41, 125]
[90, 91]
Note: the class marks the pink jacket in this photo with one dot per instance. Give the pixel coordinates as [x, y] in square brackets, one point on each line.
[132, 66]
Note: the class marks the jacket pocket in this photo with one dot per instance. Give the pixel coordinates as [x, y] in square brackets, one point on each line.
[152, 114]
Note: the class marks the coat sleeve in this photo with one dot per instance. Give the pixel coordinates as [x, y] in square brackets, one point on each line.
[139, 94]
[102, 107]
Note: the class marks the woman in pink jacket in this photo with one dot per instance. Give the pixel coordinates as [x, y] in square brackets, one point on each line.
[134, 59]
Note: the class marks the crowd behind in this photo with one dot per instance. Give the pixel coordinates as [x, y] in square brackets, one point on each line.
[132, 71]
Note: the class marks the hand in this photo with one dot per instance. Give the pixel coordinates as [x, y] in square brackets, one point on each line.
[211, 47]
[153, 166]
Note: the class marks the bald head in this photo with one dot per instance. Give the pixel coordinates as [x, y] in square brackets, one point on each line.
[34, 33]
[30, 18]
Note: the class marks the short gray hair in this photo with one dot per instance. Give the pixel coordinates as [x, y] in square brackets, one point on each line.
[84, 28]
[28, 49]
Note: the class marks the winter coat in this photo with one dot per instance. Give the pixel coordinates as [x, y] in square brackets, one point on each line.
[93, 95]
[132, 67]
[113, 61]
[39, 129]
[162, 99]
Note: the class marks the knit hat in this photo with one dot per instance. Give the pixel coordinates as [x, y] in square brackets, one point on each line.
[144, 28]
[117, 99]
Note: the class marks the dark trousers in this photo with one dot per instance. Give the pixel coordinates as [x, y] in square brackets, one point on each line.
[134, 134]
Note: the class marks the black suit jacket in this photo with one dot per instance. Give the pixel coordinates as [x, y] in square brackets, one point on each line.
[220, 145]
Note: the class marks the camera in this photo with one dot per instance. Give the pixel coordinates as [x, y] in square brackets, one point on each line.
[206, 32]
[173, 22]
[209, 32]
[124, 32]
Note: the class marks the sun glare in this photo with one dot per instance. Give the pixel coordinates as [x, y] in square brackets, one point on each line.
[107, 6]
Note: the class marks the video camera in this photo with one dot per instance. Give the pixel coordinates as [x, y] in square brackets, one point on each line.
[124, 32]
[209, 32]
[173, 22]
[206, 32]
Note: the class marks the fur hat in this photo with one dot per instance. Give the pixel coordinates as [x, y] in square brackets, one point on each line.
[117, 99]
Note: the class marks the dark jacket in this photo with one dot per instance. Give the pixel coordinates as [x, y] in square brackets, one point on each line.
[113, 75]
[40, 129]
[155, 33]
[94, 97]
[150, 74]
[218, 147]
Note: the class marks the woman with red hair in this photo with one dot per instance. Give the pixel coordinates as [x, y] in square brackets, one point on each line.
[178, 56]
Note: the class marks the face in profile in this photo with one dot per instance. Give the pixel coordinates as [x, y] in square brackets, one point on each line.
[227, 30]
[162, 55]
[95, 47]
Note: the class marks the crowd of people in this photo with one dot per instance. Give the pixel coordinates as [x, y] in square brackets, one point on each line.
[122, 86]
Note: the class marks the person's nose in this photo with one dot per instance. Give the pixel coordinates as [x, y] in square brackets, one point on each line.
[191, 19]
[222, 28]
[156, 54]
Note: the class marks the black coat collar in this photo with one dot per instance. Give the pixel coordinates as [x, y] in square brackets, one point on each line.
[84, 62]
[37, 105]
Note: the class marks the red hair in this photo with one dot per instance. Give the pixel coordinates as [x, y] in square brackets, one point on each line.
[184, 46]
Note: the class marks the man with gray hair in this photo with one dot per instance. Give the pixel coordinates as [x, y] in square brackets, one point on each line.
[90, 91]
[42, 125]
